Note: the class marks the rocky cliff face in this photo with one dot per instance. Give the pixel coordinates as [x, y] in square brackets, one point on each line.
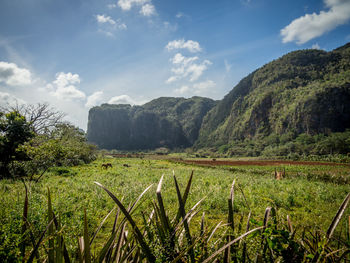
[164, 122]
[305, 91]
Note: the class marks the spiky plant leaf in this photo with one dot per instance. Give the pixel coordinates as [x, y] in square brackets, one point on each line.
[36, 247]
[145, 248]
[216, 253]
[87, 251]
[338, 216]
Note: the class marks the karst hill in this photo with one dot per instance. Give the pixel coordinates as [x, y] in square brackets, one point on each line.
[305, 91]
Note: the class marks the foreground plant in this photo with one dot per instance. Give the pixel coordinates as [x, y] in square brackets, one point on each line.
[160, 237]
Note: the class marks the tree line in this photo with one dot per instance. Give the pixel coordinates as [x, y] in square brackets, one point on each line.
[34, 138]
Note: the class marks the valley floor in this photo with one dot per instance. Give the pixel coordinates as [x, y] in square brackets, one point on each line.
[310, 194]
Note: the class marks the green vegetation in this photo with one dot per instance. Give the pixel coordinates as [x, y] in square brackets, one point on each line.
[14, 131]
[332, 147]
[303, 92]
[87, 209]
[31, 145]
[309, 195]
[163, 122]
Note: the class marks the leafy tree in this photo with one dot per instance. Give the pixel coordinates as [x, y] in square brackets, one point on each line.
[30, 147]
[14, 131]
[65, 145]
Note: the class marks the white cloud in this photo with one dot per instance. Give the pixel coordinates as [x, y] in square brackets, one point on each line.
[147, 8]
[111, 6]
[121, 25]
[186, 67]
[180, 59]
[122, 99]
[196, 70]
[94, 99]
[203, 86]
[108, 26]
[105, 19]
[64, 87]
[310, 26]
[12, 75]
[182, 90]
[7, 99]
[190, 45]
[198, 88]
[127, 4]
[316, 46]
[179, 15]
[172, 79]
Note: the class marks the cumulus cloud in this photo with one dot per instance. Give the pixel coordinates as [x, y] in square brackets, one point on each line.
[180, 59]
[148, 10]
[105, 19]
[108, 26]
[94, 99]
[146, 6]
[122, 99]
[7, 99]
[197, 88]
[196, 70]
[190, 45]
[64, 87]
[187, 67]
[13, 75]
[310, 26]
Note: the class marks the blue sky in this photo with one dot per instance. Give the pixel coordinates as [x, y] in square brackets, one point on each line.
[75, 54]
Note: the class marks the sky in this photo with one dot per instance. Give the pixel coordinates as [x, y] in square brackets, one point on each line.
[76, 54]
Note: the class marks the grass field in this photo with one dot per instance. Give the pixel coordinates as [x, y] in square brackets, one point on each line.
[310, 194]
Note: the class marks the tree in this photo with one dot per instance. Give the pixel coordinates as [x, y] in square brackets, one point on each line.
[65, 145]
[14, 131]
[41, 116]
[34, 138]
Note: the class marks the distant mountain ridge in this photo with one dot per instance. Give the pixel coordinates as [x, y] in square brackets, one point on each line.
[163, 122]
[305, 91]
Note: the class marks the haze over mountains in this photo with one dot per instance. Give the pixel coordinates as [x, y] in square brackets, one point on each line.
[306, 91]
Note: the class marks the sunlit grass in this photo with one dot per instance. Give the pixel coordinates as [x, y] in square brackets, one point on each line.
[307, 193]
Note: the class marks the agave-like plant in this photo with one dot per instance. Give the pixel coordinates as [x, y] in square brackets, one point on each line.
[160, 238]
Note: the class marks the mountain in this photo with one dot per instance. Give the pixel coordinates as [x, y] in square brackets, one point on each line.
[296, 104]
[163, 122]
[306, 91]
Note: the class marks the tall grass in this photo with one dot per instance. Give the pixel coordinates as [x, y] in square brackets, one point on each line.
[160, 235]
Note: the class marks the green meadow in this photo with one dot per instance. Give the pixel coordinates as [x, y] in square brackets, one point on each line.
[309, 194]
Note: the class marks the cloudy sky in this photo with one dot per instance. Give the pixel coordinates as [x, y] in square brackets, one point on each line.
[75, 54]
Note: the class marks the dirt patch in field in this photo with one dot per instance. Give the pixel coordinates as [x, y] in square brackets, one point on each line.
[257, 163]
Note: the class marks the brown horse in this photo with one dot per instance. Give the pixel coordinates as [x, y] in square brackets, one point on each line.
[106, 165]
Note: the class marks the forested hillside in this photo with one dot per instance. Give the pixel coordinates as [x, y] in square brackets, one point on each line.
[302, 98]
[163, 122]
[306, 91]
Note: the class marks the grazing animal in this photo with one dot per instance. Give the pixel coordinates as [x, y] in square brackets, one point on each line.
[126, 165]
[280, 174]
[106, 165]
